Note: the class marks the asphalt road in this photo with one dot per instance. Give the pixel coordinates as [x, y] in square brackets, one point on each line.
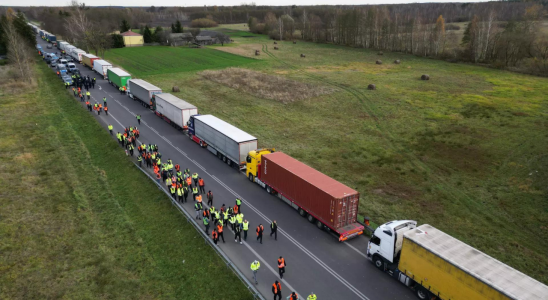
[316, 261]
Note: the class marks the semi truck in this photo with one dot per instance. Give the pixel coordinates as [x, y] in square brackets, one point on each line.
[76, 54]
[143, 91]
[324, 201]
[174, 110]
[62, 45]
[101, 66]
[88, 59]
[118, 77]
[228, 143]
[438, 266]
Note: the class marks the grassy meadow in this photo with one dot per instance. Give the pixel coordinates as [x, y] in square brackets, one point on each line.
[79, 221]
[464, 151]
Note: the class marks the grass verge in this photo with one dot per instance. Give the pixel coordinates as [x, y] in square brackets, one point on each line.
[79, 221]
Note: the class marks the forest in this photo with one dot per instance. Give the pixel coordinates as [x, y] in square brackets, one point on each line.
[505, 34]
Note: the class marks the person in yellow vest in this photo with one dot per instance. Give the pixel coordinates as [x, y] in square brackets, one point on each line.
[194, 192]
[195, 178]
[245, 227]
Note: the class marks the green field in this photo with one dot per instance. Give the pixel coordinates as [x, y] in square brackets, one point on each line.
[464, 151]
[79, 221]
[164, 60]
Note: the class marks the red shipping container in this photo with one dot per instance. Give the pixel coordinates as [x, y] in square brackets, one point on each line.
[327, 200]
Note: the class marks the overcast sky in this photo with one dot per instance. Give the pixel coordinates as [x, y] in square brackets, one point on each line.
[208, 2]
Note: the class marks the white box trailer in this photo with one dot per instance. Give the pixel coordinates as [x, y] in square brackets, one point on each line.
[77, 54]
[228, 142]
[143, 91]
[68, 49]
[101, 66]
[63, 46]
[174, 110]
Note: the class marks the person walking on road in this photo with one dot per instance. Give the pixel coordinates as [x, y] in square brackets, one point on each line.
[239, 204]
[140, 160]
[281, 267]
[260, 230]
[138, 119]
[220, 231]
[206, 224]
[245, 228]
[255, 265]
[238, 234]
[106, 110]
[172, 190]
[198, 207]
[277, 290]
[105, 100]
[88, 94]
[110, 128]
[215, 236]
[312, 296]
[201, 184]
[195, 179]
[194, 192]
[209, 198]
[293, 296]
[93, 83]
[185, 193]
[274, 229]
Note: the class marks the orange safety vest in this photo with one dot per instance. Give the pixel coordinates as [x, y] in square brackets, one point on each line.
[206, 213]
[220, 228]
[293, 298]
[158, 176]
[235, 209]
[87, 102]
[106, 108]
[214, 234]
[201, 182]
[259, 229]
[199, 198]
[177, 168]
[281, 263]
[277, 288]
[188, 181]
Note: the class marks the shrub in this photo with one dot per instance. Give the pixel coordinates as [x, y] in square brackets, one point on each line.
[203, 23]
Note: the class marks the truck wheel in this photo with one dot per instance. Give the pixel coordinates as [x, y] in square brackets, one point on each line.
[378, 263]
[224, 158]
[229, 162]
[219, 155]
[302, 212]
[422, 293]
[311, 219]
[319, 225]
[250, 177]
[190, 136]
[268, 189]
[201, 144]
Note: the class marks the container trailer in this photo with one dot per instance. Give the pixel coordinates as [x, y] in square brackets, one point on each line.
[62, 45]
[227, 142]
[438, 266]
[88, 59]
[174, 110]
[118, 77]
[101, 66]
[143, 91]
[324, 201]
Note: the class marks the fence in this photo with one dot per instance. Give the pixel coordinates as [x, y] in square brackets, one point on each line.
[251, 287]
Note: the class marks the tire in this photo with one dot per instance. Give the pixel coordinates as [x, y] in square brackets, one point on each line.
[311, 219]
[377, 261]
[268, 189]
[224, 158]
[422, 293]
[250, 177]
[319, 225]
[219, 155]
[229, 162]
[190, 136]
[302, 212]
[201, 144]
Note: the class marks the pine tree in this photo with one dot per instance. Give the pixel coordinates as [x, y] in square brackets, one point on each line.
[24, 29]
[125, 26]
[147, 35]
[157, 35]
[178, 27]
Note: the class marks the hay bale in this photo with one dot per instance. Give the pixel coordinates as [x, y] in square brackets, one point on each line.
[302, 55]
[276, 48]
[275, 43]
[397, 61]
[371, 87]
[425, 77]
[378, 62]
[257, 52]
[380, 53]
[294, 42]
[175, 89]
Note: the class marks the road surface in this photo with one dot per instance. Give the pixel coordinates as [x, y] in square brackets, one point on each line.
[316, 261]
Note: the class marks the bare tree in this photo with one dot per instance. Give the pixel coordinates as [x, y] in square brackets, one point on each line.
[77, 24]
[19, 53]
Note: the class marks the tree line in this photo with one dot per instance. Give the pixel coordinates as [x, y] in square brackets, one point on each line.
[18, 41]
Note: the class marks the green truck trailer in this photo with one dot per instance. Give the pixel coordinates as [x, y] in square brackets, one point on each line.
[118, 77]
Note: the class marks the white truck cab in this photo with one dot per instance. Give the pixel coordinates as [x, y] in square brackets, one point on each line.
[387, 240]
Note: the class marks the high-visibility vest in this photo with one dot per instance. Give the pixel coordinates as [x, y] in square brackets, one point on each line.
[139, 158]
[179, 192]
[212, 210]
[197, 206]
[260, 228]
[311, 297]
[195, 176]
[225, 215]
[291, 297]
[246, 225]
[220, 227]
[109, 127]
[277, 287]
[217, 215]
[172, 190]
[195, 190]
[214, 234]
[88, 93]
[201, 182]
[240, 218]
[188, 181]
[255, 266]
[206, 221]
[232, 220]
[168, 181]
[206, 213]
[238, 202]
[281, 263]
[199, 198]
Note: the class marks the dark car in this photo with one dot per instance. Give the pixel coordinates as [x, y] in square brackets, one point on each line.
[75, 72]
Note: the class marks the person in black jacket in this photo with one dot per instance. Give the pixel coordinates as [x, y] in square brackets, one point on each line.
[274, 229]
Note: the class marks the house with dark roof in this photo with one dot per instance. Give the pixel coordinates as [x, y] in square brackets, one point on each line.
[179, 39]
[204, 40]
[132, 39]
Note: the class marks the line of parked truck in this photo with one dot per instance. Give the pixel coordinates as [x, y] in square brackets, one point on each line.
[429, 261]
